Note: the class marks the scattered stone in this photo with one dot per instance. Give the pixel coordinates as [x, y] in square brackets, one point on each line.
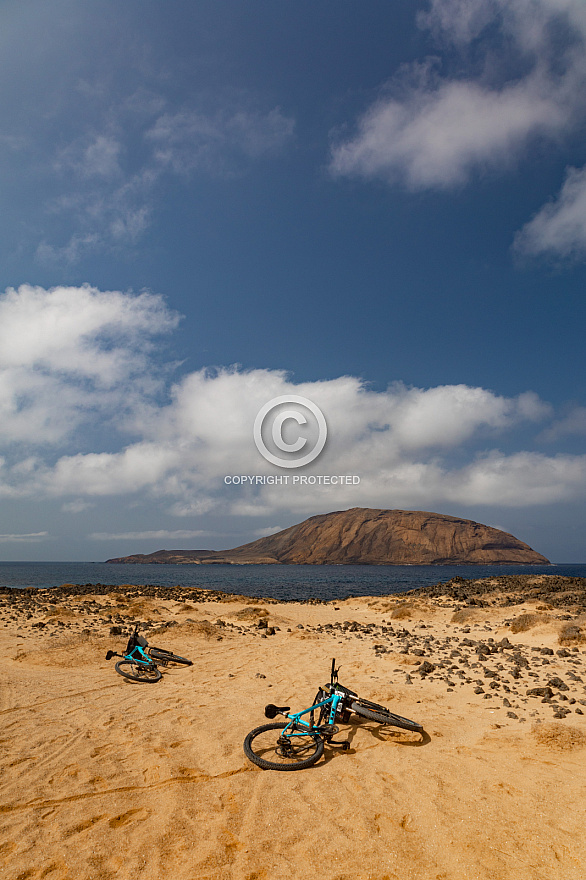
[556, 682]
[540, 692]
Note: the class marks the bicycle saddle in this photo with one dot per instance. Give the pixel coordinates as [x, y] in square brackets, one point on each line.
[271, 711]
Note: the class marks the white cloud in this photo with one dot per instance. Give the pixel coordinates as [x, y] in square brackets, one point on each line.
[269, 530]
[190, 140]
[533, 25]
[77, 506]
[436, 132]
[76, 249]
[461, 21]
[437, 135]
[559, 228]
[73, 359]
[522, 479]
[69, 352]
[399, 442]
[110, 185]
[574, 423]
[140, 466]
[155, 535]
[33, 537]
[96, 155]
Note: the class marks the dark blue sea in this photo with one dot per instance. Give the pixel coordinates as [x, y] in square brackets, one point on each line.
[283, 582]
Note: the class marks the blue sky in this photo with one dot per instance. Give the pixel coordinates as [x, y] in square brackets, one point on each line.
[380, 207]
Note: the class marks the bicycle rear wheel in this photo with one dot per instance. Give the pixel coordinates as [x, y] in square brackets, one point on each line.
[168, 656]
[266, 748]
[139, 671]
[374, 712]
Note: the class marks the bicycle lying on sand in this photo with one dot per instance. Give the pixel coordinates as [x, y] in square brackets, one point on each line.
[295, 744]
[141, 662]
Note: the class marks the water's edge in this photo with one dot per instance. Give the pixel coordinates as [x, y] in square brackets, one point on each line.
[282, 582]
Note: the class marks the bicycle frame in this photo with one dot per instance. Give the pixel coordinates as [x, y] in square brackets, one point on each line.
[337, 698]
[135, 656]
[296, 718]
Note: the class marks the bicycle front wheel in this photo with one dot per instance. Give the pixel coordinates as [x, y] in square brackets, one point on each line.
[168, 656]
[374, 712]
[139, 671]
[267, 748]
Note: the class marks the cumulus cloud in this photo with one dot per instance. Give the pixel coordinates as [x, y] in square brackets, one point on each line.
[74, 359]
[574, 423]
[70, 352]
[437, 135]
[559, 228]
[434, 132]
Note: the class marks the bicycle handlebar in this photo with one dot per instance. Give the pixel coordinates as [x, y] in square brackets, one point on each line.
[334, 672]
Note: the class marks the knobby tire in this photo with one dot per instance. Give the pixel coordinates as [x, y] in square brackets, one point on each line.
[168, 656]
[304, 750]
[374, 712]
[138, 672]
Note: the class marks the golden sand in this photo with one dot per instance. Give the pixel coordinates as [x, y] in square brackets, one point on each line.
[102, 778]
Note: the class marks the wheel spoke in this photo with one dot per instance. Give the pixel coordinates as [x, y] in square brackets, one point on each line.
[272, 749]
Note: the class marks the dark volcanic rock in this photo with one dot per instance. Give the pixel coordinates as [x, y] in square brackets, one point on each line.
[557, 591]
[364, 536]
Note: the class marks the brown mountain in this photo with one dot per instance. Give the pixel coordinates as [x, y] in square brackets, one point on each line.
[363, 536]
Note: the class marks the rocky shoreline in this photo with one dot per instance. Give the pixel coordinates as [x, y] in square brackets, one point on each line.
[498, 590]
[505, 590]
[466, 653]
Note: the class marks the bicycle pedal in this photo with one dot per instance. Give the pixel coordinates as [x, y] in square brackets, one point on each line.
[344, 743]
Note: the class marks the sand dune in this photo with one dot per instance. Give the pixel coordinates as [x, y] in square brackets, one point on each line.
[102, 778]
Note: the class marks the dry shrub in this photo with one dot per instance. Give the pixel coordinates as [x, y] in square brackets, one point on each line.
[201, 628]
[525, 622]
[63, 613]
[251, 613]
[142, 608]
[559, 736]
[380, 606]
[571, 634]
[401, 612]
[464, 615]
[69, 651]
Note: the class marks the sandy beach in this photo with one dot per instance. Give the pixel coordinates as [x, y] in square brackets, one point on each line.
[102, 778]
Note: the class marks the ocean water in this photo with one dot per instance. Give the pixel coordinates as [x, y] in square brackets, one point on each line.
[283, 582]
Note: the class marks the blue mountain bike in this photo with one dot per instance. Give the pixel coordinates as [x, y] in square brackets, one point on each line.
[296, 743]
[136, 663]
[140, 662]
